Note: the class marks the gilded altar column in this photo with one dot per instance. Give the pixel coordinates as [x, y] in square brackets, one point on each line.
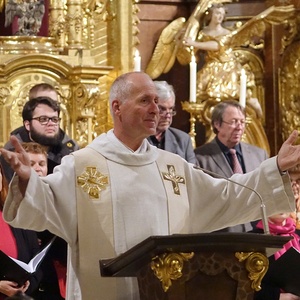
[74, 24]
[57, 22]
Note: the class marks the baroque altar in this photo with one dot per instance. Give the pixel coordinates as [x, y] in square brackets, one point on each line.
[82, 52]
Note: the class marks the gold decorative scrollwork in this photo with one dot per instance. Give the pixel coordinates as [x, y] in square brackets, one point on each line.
[256, 264]
[168, 267]
[92, 182]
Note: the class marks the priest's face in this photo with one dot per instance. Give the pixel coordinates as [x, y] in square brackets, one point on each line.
[232, 128]
[136, 116]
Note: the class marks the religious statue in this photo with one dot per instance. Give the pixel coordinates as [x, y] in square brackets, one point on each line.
[225, 57]
[29, 14]
[219, 77]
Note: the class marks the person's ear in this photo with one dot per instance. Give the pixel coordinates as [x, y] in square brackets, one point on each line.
[217, 125]
[27, 125]
[115, 107]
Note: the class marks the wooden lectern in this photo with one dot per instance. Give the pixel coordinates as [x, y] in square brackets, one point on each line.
[214, 266]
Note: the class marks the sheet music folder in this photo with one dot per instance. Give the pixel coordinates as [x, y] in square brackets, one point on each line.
[130, 262]
[15, 270]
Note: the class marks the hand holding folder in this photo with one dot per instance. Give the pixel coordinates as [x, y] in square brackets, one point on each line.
[15, 270]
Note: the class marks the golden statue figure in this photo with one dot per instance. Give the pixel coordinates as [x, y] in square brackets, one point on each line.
[227, 52]
[29, 14]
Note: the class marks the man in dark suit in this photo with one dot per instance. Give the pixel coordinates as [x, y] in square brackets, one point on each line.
[166, 137]
[228, 123]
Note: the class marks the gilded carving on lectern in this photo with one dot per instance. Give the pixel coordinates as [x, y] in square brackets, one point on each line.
[229, 53]
[257, 265]
[169, 266]
[80, 56]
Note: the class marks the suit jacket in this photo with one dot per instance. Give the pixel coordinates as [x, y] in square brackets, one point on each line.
[211, 157]
[179, 142]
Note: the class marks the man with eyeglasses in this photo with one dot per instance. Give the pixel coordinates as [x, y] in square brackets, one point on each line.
[41, 124]
[166, 137]
[228, 123]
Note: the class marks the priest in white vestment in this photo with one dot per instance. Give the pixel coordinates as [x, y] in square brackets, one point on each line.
[119, 190]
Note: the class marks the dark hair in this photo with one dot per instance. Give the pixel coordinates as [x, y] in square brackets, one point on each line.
[218, 112]
[39, 88]
[4, 190]
[31, 105]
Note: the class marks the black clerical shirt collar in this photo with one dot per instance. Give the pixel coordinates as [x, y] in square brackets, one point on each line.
[225, 149]
[155, 142]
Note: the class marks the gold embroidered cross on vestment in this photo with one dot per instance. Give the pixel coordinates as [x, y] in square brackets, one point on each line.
[92, 182]
[175, 179]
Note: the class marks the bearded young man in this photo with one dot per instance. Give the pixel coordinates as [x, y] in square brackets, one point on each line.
[41, 125]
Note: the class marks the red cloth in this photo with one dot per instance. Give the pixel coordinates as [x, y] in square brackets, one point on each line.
[287, 230]
[61, 272]
[7, 240]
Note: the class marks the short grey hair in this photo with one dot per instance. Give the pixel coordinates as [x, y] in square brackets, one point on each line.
[164, 90]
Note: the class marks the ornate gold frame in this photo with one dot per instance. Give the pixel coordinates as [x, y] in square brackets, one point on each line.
[90, 43]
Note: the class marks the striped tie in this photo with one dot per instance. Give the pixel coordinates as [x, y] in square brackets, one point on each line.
[236, 166]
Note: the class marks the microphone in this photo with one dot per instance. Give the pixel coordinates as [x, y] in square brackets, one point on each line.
[262, 204]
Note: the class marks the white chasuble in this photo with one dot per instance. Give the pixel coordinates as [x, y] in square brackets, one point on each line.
[122, 200]
[123, 197]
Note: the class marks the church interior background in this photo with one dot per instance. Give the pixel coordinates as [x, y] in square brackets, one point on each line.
[82, 46]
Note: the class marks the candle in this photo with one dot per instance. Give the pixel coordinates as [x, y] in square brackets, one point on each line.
[137, 61]
[243, 88]
[193, 78]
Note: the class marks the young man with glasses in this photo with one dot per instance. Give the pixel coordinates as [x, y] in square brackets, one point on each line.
[166, 137]
[42, 125]
[228, 123]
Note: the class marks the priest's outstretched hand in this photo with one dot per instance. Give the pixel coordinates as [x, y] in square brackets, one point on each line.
[289, 153]
[19, 161]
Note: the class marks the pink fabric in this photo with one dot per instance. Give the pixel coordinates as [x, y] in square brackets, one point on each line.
[237, 168]
[7, 240]
[287, 230]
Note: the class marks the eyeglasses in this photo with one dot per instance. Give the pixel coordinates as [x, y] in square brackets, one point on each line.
[235, 123]
[45, 120]
[164, 111]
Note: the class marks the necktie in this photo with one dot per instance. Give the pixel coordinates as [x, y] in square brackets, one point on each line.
[236, 166]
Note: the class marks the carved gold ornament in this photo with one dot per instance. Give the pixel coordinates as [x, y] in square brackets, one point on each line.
[256, 264]
[92, 182]
[168, 267]
[175, 179]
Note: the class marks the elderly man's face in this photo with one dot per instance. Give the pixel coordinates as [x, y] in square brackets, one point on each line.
[231, 130]
[166, 109]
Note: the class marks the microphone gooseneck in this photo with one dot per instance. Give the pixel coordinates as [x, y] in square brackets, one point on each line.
[262, 204]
